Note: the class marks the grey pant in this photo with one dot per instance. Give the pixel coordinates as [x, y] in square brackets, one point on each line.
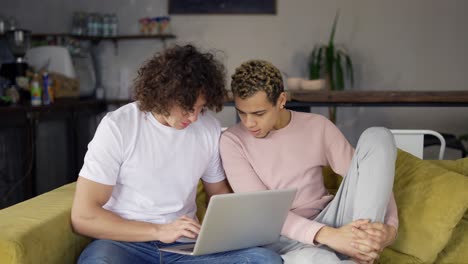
[364, 194]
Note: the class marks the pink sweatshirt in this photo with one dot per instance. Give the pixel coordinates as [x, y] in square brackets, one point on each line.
[291, 157]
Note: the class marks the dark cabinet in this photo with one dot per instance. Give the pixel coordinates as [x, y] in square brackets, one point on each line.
[42, 148]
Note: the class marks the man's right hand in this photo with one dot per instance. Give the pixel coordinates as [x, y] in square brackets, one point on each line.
[89, 218]
[343, 240]
[182, 227]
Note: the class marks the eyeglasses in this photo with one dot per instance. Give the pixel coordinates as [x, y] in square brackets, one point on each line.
[200, 109]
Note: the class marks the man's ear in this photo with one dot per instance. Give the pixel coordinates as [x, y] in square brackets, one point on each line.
[281, 102]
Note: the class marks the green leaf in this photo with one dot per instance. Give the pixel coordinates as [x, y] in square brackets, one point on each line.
[329, 62]
[349, 69]
[332, 35]
[339, 73]
[319, 62]
[312, 68]
[348, 66]
[312, 56]
[315, 62]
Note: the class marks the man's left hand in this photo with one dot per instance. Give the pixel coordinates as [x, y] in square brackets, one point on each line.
[381, 233]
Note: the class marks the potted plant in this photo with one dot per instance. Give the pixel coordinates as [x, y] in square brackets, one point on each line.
[333, 64]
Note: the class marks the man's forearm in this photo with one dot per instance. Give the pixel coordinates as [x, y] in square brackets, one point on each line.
[103, 224]
[324, 235]
[349, 240]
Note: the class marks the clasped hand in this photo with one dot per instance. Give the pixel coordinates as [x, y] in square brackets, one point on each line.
[364, 241]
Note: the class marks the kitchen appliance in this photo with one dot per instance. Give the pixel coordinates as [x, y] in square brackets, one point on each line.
[19, 41]
[57, 61]
[52, 59]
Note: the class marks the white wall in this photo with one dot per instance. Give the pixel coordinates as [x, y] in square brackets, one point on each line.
[395, 45]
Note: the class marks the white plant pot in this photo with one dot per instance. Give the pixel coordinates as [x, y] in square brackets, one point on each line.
[296, 83]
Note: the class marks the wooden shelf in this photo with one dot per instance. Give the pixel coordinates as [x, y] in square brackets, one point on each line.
[114, 39]
[98, 38]
[59, 105]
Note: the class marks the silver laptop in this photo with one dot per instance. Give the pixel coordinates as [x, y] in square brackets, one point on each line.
[240, 220]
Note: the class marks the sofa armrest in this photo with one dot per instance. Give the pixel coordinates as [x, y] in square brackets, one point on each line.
[39, 230]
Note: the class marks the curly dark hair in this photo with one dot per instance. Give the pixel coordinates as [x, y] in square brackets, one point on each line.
[257, 75]
[177, 76]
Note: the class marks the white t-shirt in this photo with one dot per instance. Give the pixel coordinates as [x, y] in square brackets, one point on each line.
[154, 168]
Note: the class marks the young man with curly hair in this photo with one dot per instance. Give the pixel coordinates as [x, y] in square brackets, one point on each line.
[136, 191]
[274, 148]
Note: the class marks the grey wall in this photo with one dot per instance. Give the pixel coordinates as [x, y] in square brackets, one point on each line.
[395, 45]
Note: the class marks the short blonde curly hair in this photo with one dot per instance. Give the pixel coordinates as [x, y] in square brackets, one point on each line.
[257, 75]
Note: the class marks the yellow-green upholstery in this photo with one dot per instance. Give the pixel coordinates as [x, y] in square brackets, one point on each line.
[431, 198]
[456, 250]
[431, 201]
[201, 202]
[460, 165]
[391, 256]
[39, 230]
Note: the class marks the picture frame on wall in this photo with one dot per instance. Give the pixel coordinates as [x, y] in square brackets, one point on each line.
[189, 7]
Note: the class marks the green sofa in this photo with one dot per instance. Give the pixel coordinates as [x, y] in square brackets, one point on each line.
[432, 199]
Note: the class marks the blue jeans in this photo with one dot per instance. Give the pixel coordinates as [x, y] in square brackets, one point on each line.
[116, 252]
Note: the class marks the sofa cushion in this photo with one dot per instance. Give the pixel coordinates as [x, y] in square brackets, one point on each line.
[431, 200]
[460, 166]
[391, 256]
[456, 249]
[39, 230]
[201, 202]
[331, 180]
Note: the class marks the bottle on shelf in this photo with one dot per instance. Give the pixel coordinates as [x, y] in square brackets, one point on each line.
[114, 22]
[99, 25]
[36, 92]
[48, 94]
[106, 25]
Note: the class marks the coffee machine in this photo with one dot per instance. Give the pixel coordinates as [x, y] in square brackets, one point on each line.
[19, 41]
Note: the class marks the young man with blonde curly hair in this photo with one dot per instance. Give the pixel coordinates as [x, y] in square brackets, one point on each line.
[136, 191]
[275, 148]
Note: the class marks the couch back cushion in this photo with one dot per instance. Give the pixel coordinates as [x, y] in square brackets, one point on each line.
[456, 250]
[459, 165]
[331, 180]
[431, 200]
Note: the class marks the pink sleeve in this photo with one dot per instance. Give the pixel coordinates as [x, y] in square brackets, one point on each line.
[243, 178]
[338, 151]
